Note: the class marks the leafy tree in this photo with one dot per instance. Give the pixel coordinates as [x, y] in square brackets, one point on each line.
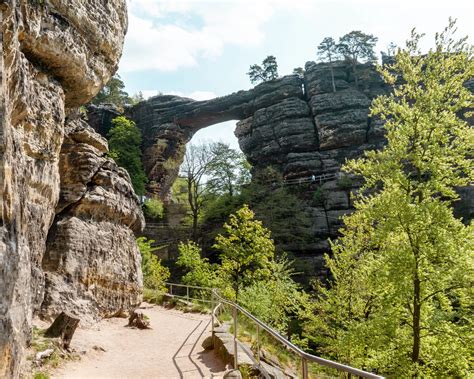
[355, 46]
[247, 271]
[228, 170]
[268, 70]
[328, 51]
[124, 142]
[199, 271]
[299, 71]
[154, 208]
[137, 98]
[401, 296]
[246, 250]
[194, 168]
[113, 92]
[154, 274]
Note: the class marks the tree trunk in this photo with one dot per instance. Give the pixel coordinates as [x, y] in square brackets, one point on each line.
[64, 327]
[332, 78]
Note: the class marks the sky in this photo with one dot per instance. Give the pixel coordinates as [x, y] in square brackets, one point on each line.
[203, 49]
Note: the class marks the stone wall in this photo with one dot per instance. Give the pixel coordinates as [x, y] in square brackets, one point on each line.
[55, 56]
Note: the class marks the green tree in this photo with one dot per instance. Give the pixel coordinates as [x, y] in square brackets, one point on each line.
[199, 271]
[401, 296]
[228, 170]
[124, 142]
[355, 46]
[268, 70]
[154, 208]
[299, 71]
[113, 92]
[328, 51]
[246, 250]
[154, 274]
[195, 167]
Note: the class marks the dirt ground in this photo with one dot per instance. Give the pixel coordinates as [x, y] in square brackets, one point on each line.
[171, 349]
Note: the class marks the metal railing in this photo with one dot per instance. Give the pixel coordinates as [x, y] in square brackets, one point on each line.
[217, 302]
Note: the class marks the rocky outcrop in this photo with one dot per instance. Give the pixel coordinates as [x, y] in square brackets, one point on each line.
[169, 122]
[299, 126]
[92, 262]
[56, 55]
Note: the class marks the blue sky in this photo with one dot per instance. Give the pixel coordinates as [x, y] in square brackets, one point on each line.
[203, 49]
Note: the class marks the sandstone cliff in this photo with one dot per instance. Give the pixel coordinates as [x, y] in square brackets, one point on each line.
[56, 55]
[299, 126]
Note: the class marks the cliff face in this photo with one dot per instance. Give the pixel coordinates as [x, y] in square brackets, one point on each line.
[300, 126]
[56, 55]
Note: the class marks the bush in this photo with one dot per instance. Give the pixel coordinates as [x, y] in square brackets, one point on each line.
[153, 208]
[154, 274]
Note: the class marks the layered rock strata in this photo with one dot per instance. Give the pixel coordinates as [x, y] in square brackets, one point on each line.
[91, 263]
[299, 126]
[56, 55]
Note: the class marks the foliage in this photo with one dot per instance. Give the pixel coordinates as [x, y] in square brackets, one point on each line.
[401, 296]
[328, 51]
[154, 274]
[275, 204]
[355, 46]
[276, 300]
[247, 271]
[124, 143]
[153, 208]
[246, 250]
[268, 70]
[113, 93]
[194, 168]
[228, 170]
[199, 271]
[299, 71]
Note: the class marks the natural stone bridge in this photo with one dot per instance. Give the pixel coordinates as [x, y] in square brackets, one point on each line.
[286, 123]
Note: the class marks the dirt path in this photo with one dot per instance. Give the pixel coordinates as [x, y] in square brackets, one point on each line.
[172, 349]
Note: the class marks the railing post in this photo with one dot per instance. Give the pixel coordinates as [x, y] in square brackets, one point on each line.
[304, 368]
[258, 344]
[236, 361]
[212, 316]
[171, 289]
[187, 293]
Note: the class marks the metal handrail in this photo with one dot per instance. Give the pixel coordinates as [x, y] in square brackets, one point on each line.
[305, 357]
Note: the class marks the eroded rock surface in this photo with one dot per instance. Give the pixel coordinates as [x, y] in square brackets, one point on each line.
[56, 55]
[92, 262]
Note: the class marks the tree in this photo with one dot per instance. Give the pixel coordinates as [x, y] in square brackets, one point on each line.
[154, 274]
[355, 46]
[124, 142]
[401, 296]
[195, 167]
[113, 92]
[246, 250]
[228, 170]
[299, 71]
[328, 51]
[268, 70]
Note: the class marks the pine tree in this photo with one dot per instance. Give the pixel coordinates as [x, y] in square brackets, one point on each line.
[328, 52]
[355, 46]
[401, 298]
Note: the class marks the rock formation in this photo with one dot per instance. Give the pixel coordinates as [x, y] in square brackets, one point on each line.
[299, 126]
[56, 55]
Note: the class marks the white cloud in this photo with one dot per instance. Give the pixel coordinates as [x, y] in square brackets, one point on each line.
[168, 35]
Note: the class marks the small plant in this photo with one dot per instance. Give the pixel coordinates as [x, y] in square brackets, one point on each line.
[41, 375]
